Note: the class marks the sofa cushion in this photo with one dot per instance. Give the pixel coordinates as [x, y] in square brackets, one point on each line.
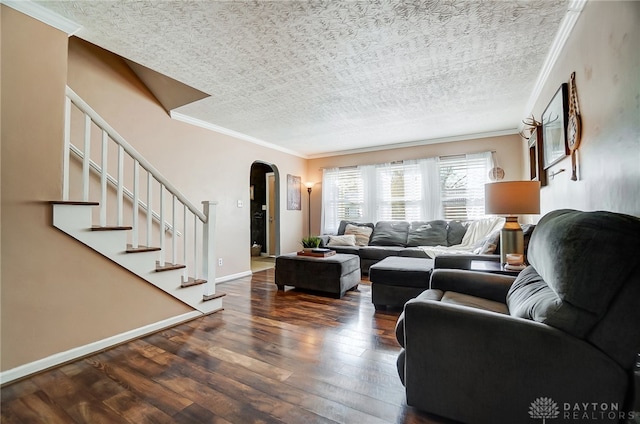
[390, 233]
[344, 240]
[379, 252]
[455, 232]
[488, 244]
[362, 233]
[432, 233]
[531, 298]
[343, 226]
[462, 299]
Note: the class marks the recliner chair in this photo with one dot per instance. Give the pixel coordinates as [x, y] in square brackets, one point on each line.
[485, 348]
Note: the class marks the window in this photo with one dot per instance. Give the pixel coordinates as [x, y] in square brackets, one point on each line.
[399, 192]
[450, 187]
[462, 180]
[342, 197]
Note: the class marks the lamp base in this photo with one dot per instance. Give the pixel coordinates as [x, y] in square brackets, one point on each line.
[511, 238]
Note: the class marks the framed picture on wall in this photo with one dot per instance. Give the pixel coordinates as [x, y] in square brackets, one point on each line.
[554, 128]
[293, 192]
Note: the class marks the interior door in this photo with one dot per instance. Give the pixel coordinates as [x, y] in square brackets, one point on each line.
[271, 213]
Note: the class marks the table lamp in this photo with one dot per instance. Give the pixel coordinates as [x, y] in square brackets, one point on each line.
[512, 198]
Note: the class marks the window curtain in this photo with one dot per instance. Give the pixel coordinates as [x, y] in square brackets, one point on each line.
[450, 187]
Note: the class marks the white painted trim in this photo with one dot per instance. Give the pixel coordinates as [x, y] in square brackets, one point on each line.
[44, 15]
[209, 126]
[91, 348]
[464, 137]
[574, 9]
[233, 277]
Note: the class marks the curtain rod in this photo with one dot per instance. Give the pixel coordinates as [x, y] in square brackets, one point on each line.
[400, 161]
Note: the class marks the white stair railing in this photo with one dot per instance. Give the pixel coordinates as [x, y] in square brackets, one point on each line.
[80, 119]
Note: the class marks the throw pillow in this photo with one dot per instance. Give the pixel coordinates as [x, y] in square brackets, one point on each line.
[343, 226]
[456, 231]
[433, 233]
[362, 234]
[344, 240]
[390, 233]
[488, 244]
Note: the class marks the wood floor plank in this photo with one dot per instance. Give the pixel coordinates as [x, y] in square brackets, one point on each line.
[269, 357]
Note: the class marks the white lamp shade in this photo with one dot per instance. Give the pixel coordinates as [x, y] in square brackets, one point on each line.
[512, 198]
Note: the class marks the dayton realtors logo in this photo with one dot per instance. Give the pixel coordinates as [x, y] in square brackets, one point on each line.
[546, 408]
[543, 408]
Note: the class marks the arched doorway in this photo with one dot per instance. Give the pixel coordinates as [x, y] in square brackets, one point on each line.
[265, 215]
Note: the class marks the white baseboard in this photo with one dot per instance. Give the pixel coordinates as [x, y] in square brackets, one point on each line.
[82, 351]
[233, 277]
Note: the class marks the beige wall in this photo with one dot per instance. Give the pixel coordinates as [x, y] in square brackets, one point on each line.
[202, 164]
[56, 294]
[603, 51]
[508, 155]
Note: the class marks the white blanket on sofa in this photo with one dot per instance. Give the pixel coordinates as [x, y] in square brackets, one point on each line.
[472, 241]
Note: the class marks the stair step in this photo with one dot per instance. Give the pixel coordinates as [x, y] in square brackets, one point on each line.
[168, 266]
[140, 248]
[192, 282]
[213, 296]
[73, 202]
[110, 228]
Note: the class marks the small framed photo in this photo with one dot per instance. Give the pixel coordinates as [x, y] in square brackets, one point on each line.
[554, 128]
[293, 193]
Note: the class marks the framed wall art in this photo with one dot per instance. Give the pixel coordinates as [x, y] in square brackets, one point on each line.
[554, 128]
[293, 192]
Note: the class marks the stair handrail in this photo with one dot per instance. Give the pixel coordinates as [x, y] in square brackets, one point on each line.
[114, 183]
[116, 137]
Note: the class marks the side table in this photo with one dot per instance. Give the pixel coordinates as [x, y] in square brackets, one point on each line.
[492, 267]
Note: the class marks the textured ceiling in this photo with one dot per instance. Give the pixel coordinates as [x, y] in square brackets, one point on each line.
[325, 76]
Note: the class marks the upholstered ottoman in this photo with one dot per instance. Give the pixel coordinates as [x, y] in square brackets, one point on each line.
[334, 274]
[396, 279]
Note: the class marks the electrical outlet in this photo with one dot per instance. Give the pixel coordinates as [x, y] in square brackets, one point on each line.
[219, 261]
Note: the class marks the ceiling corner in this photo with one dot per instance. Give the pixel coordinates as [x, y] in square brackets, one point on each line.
[44, 15]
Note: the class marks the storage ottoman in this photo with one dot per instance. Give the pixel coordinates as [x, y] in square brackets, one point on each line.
[333, 274]
[396, 279]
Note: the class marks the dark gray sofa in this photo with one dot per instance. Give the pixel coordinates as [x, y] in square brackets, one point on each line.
[402, 238]
[486, 348]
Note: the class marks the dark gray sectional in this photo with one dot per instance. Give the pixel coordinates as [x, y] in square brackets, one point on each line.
[400, 238]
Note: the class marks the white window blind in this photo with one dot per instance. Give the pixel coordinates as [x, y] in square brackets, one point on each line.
[342, 197]
[462, 180]
[399, 188]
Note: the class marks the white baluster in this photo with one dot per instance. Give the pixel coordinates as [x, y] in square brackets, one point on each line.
[149, 208]
[136, 203]
[120, 185]
[103, 180]
[174, 238]
[196, 272]
[162, 227]
[66, 150]
[86, 158]
[184, 240]
[209, 248]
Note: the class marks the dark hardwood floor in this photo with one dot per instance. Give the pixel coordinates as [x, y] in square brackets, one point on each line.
[269, 357]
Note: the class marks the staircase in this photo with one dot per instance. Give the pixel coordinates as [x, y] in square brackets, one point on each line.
[163, 216]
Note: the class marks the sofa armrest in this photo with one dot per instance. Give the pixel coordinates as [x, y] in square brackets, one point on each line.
[324, 240]
[461, 261]
[497, 365]
[480, 284]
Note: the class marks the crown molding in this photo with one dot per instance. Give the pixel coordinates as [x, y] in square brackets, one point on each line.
[44, 15]
[574, 9]
[207, 125]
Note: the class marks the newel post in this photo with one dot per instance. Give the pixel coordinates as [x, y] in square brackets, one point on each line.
[209, 248]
